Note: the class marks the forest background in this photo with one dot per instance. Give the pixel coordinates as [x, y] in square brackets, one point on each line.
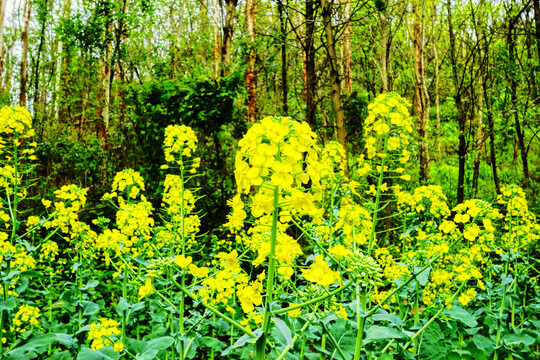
[103, 79]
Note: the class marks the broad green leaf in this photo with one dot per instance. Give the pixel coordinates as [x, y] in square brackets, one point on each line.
[106, 353]
[383, 315]
[484, 344]
[89, 308]
[423, 276]
[122, 306]
[90, 284]
[376, 332]
[9, 304]
[458, 313]
[64, 355]
[518, 339]
[212, 343]
[39, 344]
[245, 339]
[284, 330]
[154, 346]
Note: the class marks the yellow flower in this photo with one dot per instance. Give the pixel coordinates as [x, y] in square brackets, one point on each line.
[198, 272]
[146, 289]
[250, 296]
[320, 272]
[182, 261]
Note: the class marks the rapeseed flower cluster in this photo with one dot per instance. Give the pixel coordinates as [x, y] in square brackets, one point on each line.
[333, 163]
[15, 120]
[179, 147]
[277, 152]
[105, 333]
[428, 202]
[26, 318]
[354, 221]
[388, 127]
[14, 256]
[521, 228]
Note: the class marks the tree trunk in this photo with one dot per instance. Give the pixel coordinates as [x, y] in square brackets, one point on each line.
[478, 151]
[511, 42]
[334, 75]
[310, 80]
[62, 77]
[383, 55]
[461, 111]
[493, 155]
[3, 4]
[230, 5]
[437, 105]
[217, 55]
[24, 61]
[38, 105]
[347, 45]
[251, 77]
[536, 5]
[421, 95]
[283, 38]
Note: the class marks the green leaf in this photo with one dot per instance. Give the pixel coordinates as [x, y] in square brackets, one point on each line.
[64, 355]
[38, 345]
[154, 346]
[106, 353]
[423, 276]
[211, 343]
[458, 313]
[518, 339]
[383, 315]
[122, 306]
[284, 330]
[376, 332]
[483, 344]
[89, 308]
[90, 284]
[246, 339]
[9, 304]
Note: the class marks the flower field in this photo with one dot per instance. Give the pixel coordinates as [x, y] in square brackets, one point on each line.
[323, 259]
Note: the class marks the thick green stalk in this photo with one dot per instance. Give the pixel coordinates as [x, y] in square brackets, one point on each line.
[360, 320]
[377, 200]
[261, 342]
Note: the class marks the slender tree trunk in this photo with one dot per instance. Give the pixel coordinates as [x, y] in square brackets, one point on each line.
[421, 94]
[251, 77]
[62, 75]
[437, 104]
[536, 5]
[38, 106]
[511, 40]
[3, 5]
[230, 5]
[383, 55]
[347, 45]
[283, 38]
[461, 111]
[24, 62]
[335, 85]
[478, 151]
[492, 153]
[217, 54]
[310, 80]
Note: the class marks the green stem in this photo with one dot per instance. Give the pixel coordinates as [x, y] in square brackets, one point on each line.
[261, 342]
[360, 321]
[296, 336]
[215, 311]
[377, 200]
